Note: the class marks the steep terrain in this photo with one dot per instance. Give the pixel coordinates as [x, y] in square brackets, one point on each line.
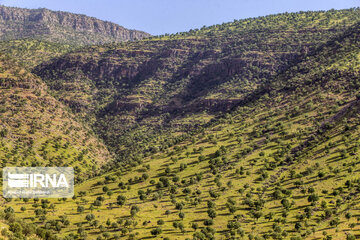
[29, 53]
[283, 164]
[245, 130]
[135, 94]
[37, 130]
[61, 27]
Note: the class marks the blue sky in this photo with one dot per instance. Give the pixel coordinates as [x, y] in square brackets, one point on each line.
[171, 16]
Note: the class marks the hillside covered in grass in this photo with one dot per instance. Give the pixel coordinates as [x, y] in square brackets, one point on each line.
[138, 95]
[38, 130]
[247, 130]
[29, 53]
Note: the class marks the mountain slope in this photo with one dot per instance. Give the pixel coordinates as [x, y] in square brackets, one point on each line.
[136, 94]
[61, 27]
[30, 52]
[282, 165]
[37, 130]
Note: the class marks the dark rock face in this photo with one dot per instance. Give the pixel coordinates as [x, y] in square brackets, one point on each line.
[62, 27]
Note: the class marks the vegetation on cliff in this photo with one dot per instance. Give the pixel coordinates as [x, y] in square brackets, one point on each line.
[245, 130]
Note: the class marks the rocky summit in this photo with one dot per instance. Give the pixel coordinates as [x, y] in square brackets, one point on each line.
[61, 27]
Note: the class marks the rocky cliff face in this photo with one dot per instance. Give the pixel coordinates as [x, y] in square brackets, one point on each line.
[61, 27]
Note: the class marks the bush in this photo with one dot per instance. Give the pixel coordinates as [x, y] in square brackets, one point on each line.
[156, 231]
[358, 96]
